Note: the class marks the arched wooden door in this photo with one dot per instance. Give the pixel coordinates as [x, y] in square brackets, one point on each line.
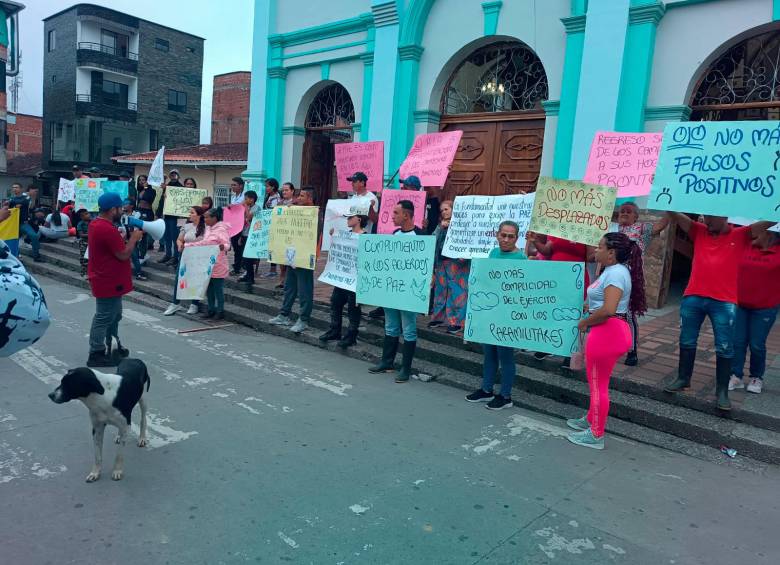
[494, 97]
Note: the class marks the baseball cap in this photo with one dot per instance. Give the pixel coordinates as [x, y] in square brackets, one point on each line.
[174, 172]
[356, 211]
[359, 176]
[109, 200]
[412, 181]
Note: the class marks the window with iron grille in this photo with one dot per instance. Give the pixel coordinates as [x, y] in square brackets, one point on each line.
[221, 195]
[331, 108]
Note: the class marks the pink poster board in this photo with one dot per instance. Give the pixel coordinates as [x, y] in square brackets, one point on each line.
[234, 217]
[367, 157]
[431, 156]
[390, 198]
[625, 161]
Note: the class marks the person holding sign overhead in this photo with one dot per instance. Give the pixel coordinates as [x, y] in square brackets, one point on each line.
[498, 355]
[718, 249]
[400, 320]
[618, 290]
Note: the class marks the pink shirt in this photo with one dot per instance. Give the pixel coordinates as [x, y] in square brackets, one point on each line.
[216, 235]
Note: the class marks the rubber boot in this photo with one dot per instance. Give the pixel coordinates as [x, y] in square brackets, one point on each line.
[331, 335]
[406, 365]
[350, 338]
[389, 349]
[684, 371]
[722, 375]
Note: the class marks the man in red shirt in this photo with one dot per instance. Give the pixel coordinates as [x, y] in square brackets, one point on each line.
[109, 277]
[712, 292]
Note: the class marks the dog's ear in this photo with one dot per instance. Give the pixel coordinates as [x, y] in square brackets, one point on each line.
[81, 382]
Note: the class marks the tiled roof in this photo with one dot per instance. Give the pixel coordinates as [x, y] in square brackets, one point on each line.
[219, 154]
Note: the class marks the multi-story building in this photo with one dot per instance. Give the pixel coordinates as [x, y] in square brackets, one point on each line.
[9, 62]
[230, 108]
[115, 84]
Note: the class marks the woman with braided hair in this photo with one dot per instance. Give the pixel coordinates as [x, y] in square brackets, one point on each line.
[619, 290]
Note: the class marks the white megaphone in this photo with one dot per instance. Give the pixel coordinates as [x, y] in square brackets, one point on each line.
[156, 228]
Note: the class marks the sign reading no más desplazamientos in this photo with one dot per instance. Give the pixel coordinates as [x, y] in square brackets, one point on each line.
[719, 168]
[532, 305]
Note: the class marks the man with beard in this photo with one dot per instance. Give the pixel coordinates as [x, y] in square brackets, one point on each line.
[109, 277]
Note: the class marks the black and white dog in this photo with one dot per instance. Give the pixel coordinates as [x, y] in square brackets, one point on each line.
[110, 399]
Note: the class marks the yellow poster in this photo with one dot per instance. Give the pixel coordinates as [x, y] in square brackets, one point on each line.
[179, 200]
[9, 229]
[293, 237]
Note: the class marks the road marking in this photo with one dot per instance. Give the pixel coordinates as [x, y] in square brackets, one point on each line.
[37, 366]
[556, 542]
[80, 297]
[248, 408]
[288, 540]
[18, 463]
[158, 434]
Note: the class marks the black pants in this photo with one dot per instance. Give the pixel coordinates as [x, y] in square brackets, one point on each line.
[237, 242]
[338, 299]
[249, 265]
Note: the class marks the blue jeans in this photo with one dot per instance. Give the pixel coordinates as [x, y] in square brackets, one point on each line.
[136, 260]
[752, 329]
[722, 315]
[493, 356]
[396, 320]
[35, 239]
[169, 238]
[105, 323]
[215, 295]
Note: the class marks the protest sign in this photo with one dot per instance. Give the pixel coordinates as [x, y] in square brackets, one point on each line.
[179, 200]
[87, 193]
[625, 161]
[390, 198]
[66, 191]
[195, 269]
[258, 187]
[740, 221]
[234, 216]
[292, 240]
[719, 169]
[532, 305]
[572, 210]
[9, 231]
[120, 187]
[156, 176]
[431, 156]
[394, 271]
[257, 241]
[341, 268]
[367, 157]
[475, 220]
[334, 219]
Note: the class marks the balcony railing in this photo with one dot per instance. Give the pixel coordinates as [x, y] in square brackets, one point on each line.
[108, 49]
[100, 100]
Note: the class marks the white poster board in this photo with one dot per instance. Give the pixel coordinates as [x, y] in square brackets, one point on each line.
[195, 271]
[334, 219]
[341, 268]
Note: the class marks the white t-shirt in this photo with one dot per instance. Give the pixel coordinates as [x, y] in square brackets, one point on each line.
[615, 275]
[65, 224]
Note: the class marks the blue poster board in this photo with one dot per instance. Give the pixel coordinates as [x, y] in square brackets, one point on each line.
[119, 187]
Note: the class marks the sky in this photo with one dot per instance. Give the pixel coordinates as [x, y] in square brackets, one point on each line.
[226, 26]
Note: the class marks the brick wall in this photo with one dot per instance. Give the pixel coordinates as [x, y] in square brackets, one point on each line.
[25, 135]
[230, 108]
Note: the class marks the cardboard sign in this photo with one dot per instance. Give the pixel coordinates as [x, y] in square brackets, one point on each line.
[257, 241]
[195, 269]
[475, 220]
[66, 191]
[367, 157]
[341, 268]
[9, 232]
[235, 217]
[390, 198]
[625, 161]
[120, 187]
[258, 187]
[719, 169]
[394, 271]
[572, 210]
[334, 219]
[293, 237]
[431, 156]
[532, 305]
[179, 200]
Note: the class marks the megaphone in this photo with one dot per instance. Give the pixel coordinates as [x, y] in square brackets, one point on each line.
[156, 228]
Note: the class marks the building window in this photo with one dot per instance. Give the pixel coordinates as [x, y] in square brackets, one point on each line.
[177, 101]
[113, 43]
[331, 108]
[52, 40]
[162, 45]
[53, 79]
[114, 93]
[154, 139]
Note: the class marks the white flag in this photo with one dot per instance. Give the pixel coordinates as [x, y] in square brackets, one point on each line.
[155, 177]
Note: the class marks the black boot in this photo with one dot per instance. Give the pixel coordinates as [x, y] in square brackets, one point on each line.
[722, 375]
[349, 339]
[684, 371]
[632, 360]
[331, 335]
[389, 349]
[100, 359]
[406, 365]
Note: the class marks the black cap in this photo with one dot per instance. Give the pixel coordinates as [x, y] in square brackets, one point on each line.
[75, 168]
[359, 176]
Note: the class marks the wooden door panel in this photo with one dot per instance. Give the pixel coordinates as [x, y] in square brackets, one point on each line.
[470, 172]
[317, 165]
[518, 156]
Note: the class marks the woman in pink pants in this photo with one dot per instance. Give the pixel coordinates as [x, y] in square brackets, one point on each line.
[619, 290]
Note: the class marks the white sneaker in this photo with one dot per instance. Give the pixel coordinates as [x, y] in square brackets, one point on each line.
[144, 260]
[735, 383]
[280, 320]
[300, 326]
[755, 385]
[172, 309]
[193, 309]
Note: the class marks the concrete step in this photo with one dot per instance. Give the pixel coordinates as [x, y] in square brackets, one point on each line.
[450, 361]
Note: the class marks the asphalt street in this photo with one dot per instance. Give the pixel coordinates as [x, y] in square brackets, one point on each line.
[265, 451]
